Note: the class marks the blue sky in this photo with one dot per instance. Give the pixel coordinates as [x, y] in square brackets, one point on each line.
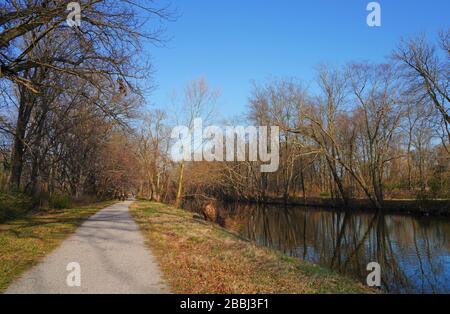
[235, 42]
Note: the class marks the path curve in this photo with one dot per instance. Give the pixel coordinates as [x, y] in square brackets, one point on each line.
[112, 256]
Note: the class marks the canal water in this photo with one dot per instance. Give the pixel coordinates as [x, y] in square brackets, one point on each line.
[413, 252]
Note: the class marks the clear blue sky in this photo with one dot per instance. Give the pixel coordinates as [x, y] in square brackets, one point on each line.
[232, 42]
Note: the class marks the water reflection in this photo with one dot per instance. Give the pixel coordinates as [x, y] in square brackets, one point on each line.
[414, 253]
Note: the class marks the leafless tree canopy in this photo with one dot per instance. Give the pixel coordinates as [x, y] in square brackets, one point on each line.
[68, 94]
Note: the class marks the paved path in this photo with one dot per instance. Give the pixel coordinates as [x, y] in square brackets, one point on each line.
[112, 257]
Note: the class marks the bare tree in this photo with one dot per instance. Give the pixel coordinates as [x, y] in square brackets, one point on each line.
[427, 73]
[198, 102]
[154, 137]
[37, 47]
[108, 30]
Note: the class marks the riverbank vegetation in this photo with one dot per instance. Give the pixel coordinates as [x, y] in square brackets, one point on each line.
[198, 257]
[25, 241]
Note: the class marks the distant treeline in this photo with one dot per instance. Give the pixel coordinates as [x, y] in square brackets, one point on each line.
[371, 131]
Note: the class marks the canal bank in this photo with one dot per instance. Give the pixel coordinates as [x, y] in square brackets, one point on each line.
[413, 251]
[426, 207]
[200, 257]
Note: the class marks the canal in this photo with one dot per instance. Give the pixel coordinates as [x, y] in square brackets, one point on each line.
[413, 252]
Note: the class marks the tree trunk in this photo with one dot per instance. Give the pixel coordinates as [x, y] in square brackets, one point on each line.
[180, 186]
[16, 165]
[302, 178]
[18, 150]
[23, 117]
[338, 181]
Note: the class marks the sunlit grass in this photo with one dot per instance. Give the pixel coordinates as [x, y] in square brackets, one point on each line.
[23, 242]
[198, 257]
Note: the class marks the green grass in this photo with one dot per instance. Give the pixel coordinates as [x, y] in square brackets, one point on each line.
[199, 257]
[24, 241]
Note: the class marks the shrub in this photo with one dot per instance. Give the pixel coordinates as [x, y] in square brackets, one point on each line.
[439, 187]
[13, 205]
[59, 201]
[324, 194]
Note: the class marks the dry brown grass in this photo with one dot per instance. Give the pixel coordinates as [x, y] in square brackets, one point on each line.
[198, 257]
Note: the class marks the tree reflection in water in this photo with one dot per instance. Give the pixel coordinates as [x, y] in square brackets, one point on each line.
[414, 253]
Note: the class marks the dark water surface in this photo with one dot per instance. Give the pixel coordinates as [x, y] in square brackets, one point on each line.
[414, 252]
